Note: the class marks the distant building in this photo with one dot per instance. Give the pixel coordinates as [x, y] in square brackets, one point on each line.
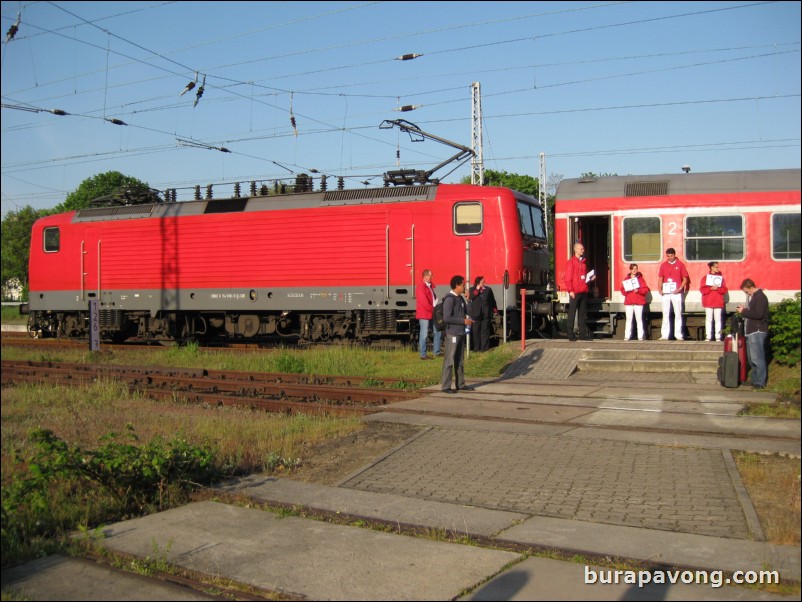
[12, 290]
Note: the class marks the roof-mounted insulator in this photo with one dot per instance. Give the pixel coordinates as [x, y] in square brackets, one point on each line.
[12, 31]
[292, 117]
[190, 85]
[199, 93]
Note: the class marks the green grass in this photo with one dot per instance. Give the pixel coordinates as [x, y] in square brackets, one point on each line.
[785, 382]
[243, 441]
[333, 361]
[11, 315]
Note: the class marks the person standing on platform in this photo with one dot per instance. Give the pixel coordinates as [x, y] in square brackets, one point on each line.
[713, 291]
[458, 324]
[577, 279]
[634, 301]
[482, 307]
[425, 300]
[672, 280]
[756, 312]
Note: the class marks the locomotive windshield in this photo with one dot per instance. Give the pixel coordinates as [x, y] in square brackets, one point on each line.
[531, 218]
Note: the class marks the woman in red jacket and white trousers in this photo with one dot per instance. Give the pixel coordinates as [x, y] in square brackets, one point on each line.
[713, 291]
[634, 300]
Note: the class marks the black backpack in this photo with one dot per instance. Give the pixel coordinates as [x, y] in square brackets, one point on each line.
[439, 321]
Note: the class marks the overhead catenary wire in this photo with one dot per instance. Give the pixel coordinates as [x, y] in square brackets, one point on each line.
[345, 129]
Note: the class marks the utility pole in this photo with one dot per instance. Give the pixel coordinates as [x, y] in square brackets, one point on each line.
[477, 162]
[541, 189]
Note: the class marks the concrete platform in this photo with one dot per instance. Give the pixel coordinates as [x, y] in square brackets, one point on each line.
[643, 475]
[65, 578]
[546, 579]
[314, 559]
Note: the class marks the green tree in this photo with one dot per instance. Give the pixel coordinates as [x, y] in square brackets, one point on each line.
[101, 185]
[525, 184]
[16, 242]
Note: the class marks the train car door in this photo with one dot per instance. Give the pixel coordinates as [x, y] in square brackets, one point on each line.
[91, 264]
[594, 233]
[400, 253]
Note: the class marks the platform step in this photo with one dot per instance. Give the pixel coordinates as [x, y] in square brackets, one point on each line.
[646, 365]
[696, 361]
[685, 355]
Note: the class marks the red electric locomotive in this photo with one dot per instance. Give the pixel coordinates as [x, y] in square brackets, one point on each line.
[311, 266]
[748, 221]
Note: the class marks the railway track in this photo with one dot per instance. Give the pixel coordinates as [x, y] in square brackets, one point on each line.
[273, 392]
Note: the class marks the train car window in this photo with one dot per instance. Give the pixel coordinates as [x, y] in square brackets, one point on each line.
[642, 239]
[52, 240]
[714, 238]
[785, 236]
[468, 218]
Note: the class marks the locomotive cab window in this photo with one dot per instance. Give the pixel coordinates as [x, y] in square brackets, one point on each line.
[714, 238]
[531, 218]
[52, 240]
[785, 236]
[468, 218]
[642, 239]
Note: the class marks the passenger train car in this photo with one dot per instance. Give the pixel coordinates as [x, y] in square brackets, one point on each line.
[747, 221]
[310, 267]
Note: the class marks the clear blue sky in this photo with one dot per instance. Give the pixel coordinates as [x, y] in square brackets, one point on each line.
[607, 87]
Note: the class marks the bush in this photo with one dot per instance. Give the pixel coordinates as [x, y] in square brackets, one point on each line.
[785, 330]
[61, 487]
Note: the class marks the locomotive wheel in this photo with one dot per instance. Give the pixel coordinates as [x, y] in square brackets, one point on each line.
[248, 325]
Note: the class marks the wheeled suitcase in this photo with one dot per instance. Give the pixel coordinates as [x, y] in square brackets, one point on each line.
[729, 368]
[729, 364]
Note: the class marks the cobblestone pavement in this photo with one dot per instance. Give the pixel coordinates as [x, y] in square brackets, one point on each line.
[658, 487]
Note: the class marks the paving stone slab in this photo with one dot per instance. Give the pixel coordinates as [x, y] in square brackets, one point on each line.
[62, 578]
[654, 546]
[546, 579]
[305, 557]
[452, 518]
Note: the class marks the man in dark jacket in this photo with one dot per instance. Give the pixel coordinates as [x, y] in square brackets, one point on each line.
[481, 309]
[756, 312]
[457, 322]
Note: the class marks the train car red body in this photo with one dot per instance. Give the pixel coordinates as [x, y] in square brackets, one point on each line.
[747, 221]
[312, 266]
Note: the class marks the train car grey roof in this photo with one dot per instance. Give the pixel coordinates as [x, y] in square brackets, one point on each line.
[685, 183]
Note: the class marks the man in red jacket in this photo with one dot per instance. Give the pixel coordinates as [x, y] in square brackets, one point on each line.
[425, 300]
[713, 291]
[576, 283]
[672, 281]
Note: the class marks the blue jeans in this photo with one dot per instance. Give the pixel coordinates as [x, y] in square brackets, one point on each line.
[424, 332]
[756, 354]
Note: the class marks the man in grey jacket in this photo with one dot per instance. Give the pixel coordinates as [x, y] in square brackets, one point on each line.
[457, 321]
[756, 312]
